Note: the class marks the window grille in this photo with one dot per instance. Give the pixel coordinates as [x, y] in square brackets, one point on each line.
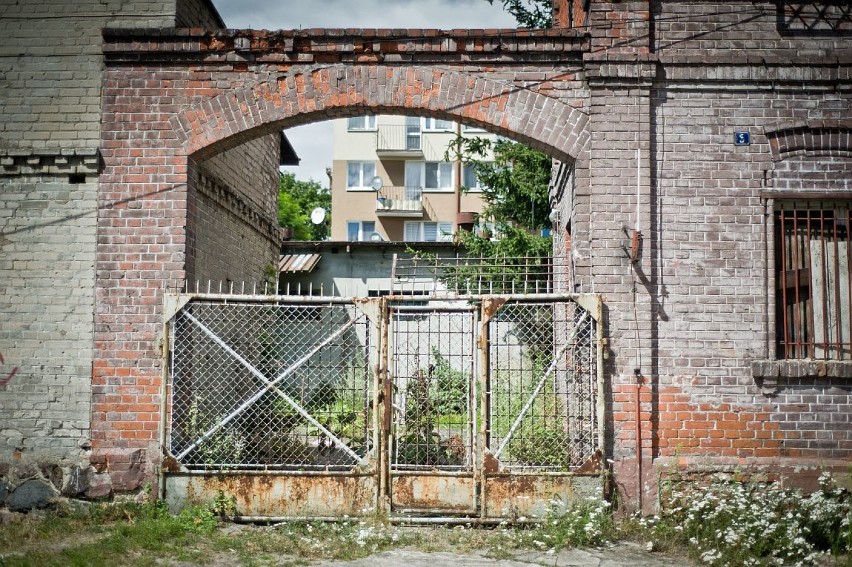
[812, 276]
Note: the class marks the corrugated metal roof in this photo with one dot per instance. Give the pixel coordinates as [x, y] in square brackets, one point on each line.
[295, 263]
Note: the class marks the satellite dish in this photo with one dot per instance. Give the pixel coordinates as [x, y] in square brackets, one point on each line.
[376, 183]
[376, 237]
[318, 215]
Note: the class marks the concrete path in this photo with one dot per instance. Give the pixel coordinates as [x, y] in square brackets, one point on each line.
[618, 555]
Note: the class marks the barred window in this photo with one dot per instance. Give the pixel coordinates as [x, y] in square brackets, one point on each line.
[813, 285]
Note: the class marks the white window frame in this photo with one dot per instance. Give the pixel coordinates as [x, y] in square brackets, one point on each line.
[365, 229]
[430, 124]
[486, 226]
[366, 172]
[413, 133]
[477, 129]
[472, 188]
[443, 231]
[445, 166]
[368, 123]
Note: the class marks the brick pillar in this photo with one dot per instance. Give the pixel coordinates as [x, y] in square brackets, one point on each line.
[570, 14]
[579, 13]
[619, 27]
[141, 245]
[561, 13]
[619, 200]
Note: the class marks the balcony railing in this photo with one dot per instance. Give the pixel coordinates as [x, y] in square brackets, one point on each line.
[398, 139]
[400, 202]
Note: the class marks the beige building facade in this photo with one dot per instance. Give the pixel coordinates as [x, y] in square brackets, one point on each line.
[391, 179]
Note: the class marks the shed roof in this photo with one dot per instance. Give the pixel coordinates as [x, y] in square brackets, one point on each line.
[298, 263]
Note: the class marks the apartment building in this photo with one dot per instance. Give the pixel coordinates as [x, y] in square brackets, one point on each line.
[391, 180]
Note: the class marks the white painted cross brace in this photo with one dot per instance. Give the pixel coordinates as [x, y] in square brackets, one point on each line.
[269, 385]
[541, 382]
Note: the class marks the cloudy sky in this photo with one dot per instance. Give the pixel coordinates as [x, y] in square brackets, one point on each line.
[313, 141]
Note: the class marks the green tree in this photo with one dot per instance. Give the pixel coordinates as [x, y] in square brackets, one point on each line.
[530, 13]
[515, 195]
[296, 200]
[514, 185]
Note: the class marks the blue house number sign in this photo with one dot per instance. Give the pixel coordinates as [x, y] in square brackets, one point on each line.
[742, 138]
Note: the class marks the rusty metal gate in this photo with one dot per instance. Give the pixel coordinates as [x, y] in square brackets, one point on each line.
[481, 408]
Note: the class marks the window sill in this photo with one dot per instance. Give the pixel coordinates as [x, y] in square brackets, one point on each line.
[770, 374]
[802, 368]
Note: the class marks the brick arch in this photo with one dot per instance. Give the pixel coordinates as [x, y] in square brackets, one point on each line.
[823, 137]
[232, 118]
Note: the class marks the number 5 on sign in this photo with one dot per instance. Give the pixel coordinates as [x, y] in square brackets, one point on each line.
[742, 138]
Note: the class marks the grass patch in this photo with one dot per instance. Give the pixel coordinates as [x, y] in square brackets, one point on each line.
[145, 534]
[104, 535]
[721, 523]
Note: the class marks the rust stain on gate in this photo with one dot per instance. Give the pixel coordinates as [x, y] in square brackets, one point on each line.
[434, 494]
[473, 408]
[257, 496]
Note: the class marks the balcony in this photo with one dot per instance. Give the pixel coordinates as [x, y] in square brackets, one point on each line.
[396, 140]
[404, 202]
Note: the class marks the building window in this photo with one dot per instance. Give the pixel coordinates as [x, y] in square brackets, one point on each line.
[430, 175]
[477, 129]
[437, 125]
[813, 258]
[362, 123]
[469, 178]
[359, 174]
[412, 133]
[360, 231]
[425, 231]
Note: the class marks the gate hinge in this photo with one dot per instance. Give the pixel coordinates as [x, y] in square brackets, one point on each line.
[481, 342]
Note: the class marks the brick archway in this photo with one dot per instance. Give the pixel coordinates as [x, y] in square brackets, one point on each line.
[177, 101]
[824, 137]
[231, 118]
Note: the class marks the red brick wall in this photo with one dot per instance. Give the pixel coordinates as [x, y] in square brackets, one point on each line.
[645, 108]
[155, 223]
[700, 320]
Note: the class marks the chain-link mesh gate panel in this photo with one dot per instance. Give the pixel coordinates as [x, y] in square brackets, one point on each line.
[432, 365]
[543, 386]
[270, 385]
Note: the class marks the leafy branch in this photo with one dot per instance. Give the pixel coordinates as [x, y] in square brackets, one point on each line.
[530, 13]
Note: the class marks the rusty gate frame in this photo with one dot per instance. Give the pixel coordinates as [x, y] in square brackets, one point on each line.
[367, 488]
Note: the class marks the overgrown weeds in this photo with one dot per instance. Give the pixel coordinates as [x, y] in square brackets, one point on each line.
[584, 523]
[723, 522]
[730, 522]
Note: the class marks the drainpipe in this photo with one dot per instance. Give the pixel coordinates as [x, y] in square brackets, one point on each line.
[638, 373]
[457, 166]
